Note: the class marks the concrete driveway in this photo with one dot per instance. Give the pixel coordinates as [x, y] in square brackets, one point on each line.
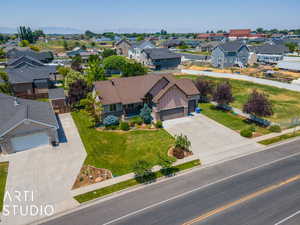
[47, 174]
[210, 140]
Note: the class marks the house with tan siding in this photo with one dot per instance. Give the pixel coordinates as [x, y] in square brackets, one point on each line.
[167, 96]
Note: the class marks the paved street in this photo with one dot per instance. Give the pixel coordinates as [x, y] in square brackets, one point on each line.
[262, 188]
[211, 141]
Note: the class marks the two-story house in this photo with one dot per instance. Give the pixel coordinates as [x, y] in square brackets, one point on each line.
[228, 54]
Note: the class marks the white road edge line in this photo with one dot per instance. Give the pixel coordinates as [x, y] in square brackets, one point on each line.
[287, 218]
[199, 188]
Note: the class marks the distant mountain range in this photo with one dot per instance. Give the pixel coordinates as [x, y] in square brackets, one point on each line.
[47, 30]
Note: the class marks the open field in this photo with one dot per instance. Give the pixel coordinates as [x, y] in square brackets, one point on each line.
[286, 104]
[119, 151]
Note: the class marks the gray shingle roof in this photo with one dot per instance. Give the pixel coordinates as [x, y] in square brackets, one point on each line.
[160, 53]
[271, 49]
[17, 110]
[18, 52]
[28, 74]
[231, 46]
[24, 60]
[56, 93]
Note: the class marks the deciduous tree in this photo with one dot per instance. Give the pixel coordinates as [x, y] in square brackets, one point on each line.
[223, 94]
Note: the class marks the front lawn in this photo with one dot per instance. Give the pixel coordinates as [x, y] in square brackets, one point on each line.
[119, 151]
[229, 120]
[3, 176]
[286, 104]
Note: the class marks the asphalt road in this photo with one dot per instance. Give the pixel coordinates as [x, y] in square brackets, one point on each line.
[258, 189]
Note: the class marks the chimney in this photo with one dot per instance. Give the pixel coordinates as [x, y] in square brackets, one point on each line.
[16, 103]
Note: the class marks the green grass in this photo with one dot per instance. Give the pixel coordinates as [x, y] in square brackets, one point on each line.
[286, 103]
[229, 119]
[3, 176]
[119, 151]
[43, 99]
[280, 138]
[126, 184]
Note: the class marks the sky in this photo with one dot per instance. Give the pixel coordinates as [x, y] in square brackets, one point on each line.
[145, 15]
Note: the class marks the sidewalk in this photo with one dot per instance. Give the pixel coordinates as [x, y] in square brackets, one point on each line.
[268, 136]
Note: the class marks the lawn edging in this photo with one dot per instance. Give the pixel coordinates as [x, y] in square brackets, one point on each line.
[131, 182]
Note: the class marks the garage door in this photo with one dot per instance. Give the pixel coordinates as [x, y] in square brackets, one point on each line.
[29, 141]
[172, 113]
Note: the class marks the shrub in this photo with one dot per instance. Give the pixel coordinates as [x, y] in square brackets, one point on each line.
[246, 133]
[158, 124]
[252, 128]
[124, 126]
[136, 120]
[182, 141]
[146, 114]
[275, 128]
[178, 153]
[110, 121]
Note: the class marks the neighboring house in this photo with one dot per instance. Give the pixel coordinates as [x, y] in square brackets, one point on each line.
[136, 49]
[122, 47]
[239, 34]
[76, 51]
[270, 53]
[167, 96]
[208, 46]
[29, 77]
[17, 52]
[172, 43]
[57, 99]
[233, 53]
[160, 58]
[26, 124]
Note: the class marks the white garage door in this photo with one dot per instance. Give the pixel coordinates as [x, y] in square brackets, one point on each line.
[29, 141]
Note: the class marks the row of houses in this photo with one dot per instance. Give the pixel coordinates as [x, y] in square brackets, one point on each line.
[238, 53]
[148, 54]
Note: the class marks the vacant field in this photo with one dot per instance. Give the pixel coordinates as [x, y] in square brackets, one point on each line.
[286, 104]
[119, 151]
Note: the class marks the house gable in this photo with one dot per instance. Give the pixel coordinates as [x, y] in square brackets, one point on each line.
[174, 97]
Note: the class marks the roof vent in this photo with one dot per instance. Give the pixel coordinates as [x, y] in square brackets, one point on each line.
[16, 102]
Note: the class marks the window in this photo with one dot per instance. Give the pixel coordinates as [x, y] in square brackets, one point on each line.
[113, 108]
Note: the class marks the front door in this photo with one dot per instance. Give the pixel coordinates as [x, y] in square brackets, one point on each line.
[192, 106]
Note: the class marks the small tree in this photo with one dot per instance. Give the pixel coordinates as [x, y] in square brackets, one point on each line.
[78, 90]
[258, 105]
[5, 86]
[95, 71]
[182, 141]
[133, 68]
[205, 88]
[76, 63]
[145, 114]
[166, 164]
[71, 77]
[108, 52]
[142, 170]
[292, 46]
[223, 94]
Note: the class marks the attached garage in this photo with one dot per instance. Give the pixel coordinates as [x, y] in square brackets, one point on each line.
[23, 143]
[172, 113]
[192, 106]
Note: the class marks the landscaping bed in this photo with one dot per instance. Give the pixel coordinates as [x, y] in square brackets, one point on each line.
[91, 175]
[286, 103]
[118, 152]
[129, 183]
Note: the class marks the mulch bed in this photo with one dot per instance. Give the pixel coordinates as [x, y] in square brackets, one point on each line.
[186, 153]
[91, 175]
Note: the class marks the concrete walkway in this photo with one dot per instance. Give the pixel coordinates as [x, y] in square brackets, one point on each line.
[268, 136]
[47, 173]
[288, 86]
[211, 141]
